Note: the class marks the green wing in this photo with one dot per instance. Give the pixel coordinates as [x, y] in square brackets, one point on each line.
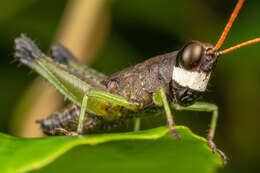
[65, 78]
[72, 79]
[62, 55]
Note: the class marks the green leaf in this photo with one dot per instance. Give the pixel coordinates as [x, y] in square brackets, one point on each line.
[144, 151]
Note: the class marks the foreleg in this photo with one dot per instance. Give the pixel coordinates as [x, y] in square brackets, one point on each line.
[206, 107]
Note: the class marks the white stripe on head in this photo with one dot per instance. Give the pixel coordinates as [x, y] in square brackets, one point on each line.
[194, 80]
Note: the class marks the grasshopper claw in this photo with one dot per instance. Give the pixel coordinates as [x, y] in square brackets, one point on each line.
[175, 134]
[216, 150]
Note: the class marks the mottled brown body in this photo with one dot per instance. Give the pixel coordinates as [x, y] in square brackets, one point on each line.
[139, 83]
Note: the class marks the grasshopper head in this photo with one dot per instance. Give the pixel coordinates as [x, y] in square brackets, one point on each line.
[192, 70]
[197, 60]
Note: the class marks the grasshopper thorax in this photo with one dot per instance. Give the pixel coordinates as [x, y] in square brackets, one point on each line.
[192, 70]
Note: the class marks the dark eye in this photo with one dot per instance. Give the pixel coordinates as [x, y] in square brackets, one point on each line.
[190, 55]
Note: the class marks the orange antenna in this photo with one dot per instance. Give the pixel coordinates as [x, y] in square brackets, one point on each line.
[240, 45]
[229, 24]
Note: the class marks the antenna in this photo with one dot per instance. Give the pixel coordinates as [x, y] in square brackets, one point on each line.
[240, 45]
[229, 24]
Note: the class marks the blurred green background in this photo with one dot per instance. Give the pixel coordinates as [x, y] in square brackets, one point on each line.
[139, 29]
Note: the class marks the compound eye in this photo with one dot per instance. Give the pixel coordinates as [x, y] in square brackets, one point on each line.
[190, 55]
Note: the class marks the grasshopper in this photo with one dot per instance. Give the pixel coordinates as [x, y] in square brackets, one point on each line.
[171, 81]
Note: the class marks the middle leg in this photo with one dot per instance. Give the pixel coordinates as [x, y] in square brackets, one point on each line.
[168, 113]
